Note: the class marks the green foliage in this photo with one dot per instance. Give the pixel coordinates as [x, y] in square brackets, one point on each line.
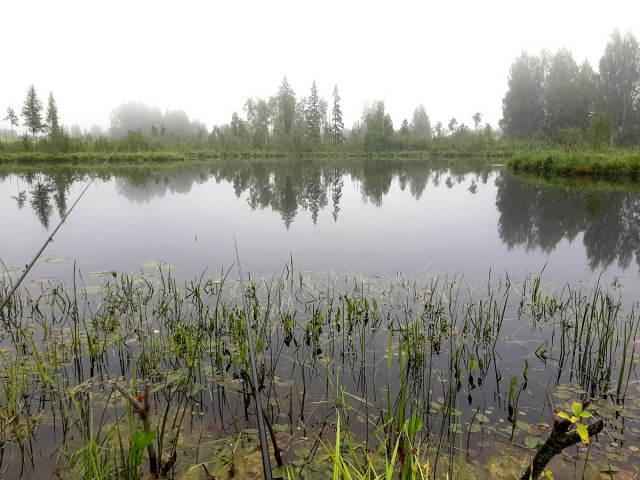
[135, 141]
[522, 106]
[313, 117]
[52, 124]
[379, 134]
[578, 414]
[32, 113]
[620, 84]
[562, 94]
[616, 164]
[285, 108]
[549, 94]
[12, 118]
[139, 442]
[421, 125]
[337, 125]
[599, 131]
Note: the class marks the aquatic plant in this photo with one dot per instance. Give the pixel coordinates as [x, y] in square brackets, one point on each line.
[385, 377]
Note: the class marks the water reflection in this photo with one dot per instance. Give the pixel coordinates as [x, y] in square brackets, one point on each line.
[537, 215]
[44, 190]
[286, 186]
[532, 215]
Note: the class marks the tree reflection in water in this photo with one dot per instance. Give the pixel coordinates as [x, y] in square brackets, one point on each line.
[541, 215]
[532, 214]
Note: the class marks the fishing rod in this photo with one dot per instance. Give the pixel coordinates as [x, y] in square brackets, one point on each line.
[50, 238]
[266, 463]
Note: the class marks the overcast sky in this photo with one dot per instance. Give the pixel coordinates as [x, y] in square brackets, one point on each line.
[207, 57]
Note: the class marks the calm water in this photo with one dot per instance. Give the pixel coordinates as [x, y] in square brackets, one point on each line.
[373, 217]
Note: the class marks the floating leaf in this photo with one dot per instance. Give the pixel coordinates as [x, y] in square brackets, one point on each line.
[101, 273]
[482, 418]
[617, 435]
[302, 453]
[533, 442]
[455, 428]
[608, 468]
[158, 265]
[11, 271]
[92, 289]
[52, 259]
[563, 395]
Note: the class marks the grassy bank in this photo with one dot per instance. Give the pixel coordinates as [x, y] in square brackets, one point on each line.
[613, 164]
[136, 158]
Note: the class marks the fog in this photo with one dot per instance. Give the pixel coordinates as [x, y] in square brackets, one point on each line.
[204, 58]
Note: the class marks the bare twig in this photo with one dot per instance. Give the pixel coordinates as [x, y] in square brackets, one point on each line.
[142, 409]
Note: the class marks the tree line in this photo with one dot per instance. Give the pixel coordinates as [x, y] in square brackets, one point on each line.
[551, 97]
[283, 122]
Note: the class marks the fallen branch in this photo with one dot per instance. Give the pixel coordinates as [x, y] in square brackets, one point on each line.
[560, 438]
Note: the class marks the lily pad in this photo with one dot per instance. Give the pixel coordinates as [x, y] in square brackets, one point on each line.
[102, 273]
[482, 418]
[533, 442]
[158, 265]
[92, 289]
[455, 428]
[11, 271]
[608, 468]
[53, 259]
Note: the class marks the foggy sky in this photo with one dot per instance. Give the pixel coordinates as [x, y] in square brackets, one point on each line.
[207, 57]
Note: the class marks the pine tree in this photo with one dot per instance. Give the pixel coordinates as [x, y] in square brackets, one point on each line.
[286, 107]
[313, 114]
[32, 113]
[52, 124]
[337, 125]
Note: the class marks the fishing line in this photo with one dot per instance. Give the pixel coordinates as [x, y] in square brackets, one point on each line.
[266, 463]
[50, 238]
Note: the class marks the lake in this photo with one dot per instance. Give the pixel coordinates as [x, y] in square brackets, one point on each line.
[375, 217]
[450, 300]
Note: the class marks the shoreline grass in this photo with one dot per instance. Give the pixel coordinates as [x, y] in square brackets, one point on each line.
[8, 159]
[615, 164]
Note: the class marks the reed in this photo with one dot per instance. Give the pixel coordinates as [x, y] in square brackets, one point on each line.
[388, 378]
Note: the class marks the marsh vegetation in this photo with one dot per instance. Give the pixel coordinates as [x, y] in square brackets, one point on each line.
[360, 377]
